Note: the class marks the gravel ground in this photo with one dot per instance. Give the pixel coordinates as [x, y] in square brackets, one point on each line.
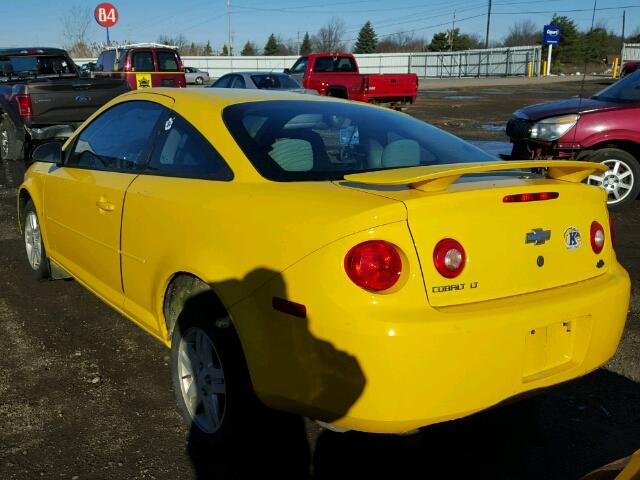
[84, 394]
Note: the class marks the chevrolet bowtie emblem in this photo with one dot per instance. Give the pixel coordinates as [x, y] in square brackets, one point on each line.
[538, 236]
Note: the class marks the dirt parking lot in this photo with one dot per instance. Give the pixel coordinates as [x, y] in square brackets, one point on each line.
[84, 394]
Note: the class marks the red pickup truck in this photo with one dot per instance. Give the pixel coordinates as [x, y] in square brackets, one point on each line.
[337, 75]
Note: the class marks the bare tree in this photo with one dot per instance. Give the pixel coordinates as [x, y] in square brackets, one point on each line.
[401, 42]
[178, 41]
[523, 33]
[330, 37]
[75, 30]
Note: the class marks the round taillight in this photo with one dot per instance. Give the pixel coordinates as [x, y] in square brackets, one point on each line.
[597, 237]
[374, 265]
[449, 258]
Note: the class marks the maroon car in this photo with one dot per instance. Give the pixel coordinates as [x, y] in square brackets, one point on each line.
[604, 128]
[629, 67]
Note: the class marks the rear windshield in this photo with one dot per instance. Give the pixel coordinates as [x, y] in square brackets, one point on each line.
[167, 62]
[309, 140]
[36, 65]
[624, 90]
[274, 82]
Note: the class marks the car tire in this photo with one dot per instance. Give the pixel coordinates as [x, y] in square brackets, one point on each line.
[622, 181]
[199, 80]
[210, 378]
[10, 146]
[34, 246]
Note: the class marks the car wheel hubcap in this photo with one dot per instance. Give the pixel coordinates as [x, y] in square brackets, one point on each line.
[618, 181]
[32, 240]
[202, 381]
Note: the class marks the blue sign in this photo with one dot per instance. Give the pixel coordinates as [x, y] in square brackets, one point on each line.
[551, 35]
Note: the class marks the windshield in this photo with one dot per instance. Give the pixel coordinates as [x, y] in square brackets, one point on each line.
[624, 90]
[274, 82]
[310, 140]
[22, 65]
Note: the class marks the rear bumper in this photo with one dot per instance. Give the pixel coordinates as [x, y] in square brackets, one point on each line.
[423, 366]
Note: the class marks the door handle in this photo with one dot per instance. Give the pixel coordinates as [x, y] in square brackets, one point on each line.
[105, 205]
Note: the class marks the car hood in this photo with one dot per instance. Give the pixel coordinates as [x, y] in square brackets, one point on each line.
[563, 107]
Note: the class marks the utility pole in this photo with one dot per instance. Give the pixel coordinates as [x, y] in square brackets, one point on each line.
[486, 41]
[453, 27]
[624, 21]
[298, 43]
[229, 27]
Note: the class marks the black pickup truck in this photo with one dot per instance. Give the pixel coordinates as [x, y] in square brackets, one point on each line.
[43, 97]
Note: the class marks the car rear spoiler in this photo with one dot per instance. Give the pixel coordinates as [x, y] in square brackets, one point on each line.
[438, 177]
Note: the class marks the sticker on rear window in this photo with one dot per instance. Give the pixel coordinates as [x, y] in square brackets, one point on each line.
[349, 136]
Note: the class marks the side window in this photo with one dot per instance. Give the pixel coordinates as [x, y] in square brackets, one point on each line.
[117, 140]
[184, 152]
[167, 62]
[223, 82]
[100, 62]
[323, 64]
[238, 82]
[300, 66]
[142, 62]
[346, 64]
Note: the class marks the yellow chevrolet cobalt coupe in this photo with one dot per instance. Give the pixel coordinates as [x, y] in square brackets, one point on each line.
[337, 260]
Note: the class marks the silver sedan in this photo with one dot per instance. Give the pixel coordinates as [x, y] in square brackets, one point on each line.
[262, 81]
[193, 75]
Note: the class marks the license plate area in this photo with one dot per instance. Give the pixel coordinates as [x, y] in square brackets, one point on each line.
[549, 349]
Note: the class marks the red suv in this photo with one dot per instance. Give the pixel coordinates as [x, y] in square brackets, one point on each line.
[604, 128]
[143, 65]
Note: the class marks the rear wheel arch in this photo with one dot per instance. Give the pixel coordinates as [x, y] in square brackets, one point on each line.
[184, 287]
[338, 92]
[23, 199]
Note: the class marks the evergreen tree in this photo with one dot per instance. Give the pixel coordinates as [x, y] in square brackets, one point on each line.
[570, 49]
[272, 47]
[207, 50]
[367, 40]
[249, 49]
[305, 47]
[225, 50]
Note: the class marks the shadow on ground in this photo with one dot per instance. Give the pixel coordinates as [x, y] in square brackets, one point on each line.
[563, 433]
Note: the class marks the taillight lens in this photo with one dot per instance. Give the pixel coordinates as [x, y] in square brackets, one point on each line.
[449, 258]
[612, 231]
[597, 237]
[373, 265]
[24, 105]
[530, 197]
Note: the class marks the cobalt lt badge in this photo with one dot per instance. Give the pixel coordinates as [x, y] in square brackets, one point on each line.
[572, 238]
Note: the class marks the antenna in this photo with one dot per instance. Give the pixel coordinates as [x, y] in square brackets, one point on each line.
[584, 74]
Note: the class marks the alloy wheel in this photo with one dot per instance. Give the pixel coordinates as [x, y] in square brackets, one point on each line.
[202, 381]
[32, 240]
[618, 181]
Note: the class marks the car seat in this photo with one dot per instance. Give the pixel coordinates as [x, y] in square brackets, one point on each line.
[292, 154]
[401, 153]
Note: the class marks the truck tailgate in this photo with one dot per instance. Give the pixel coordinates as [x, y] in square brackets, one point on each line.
[392, 85]
[70, 100]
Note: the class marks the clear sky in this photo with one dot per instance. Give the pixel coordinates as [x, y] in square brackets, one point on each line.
[38, 22]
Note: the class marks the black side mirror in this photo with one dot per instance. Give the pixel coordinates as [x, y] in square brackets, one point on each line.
[287, 71]
[50, 152]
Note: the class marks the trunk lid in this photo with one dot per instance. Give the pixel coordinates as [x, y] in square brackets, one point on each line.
[511, 248]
